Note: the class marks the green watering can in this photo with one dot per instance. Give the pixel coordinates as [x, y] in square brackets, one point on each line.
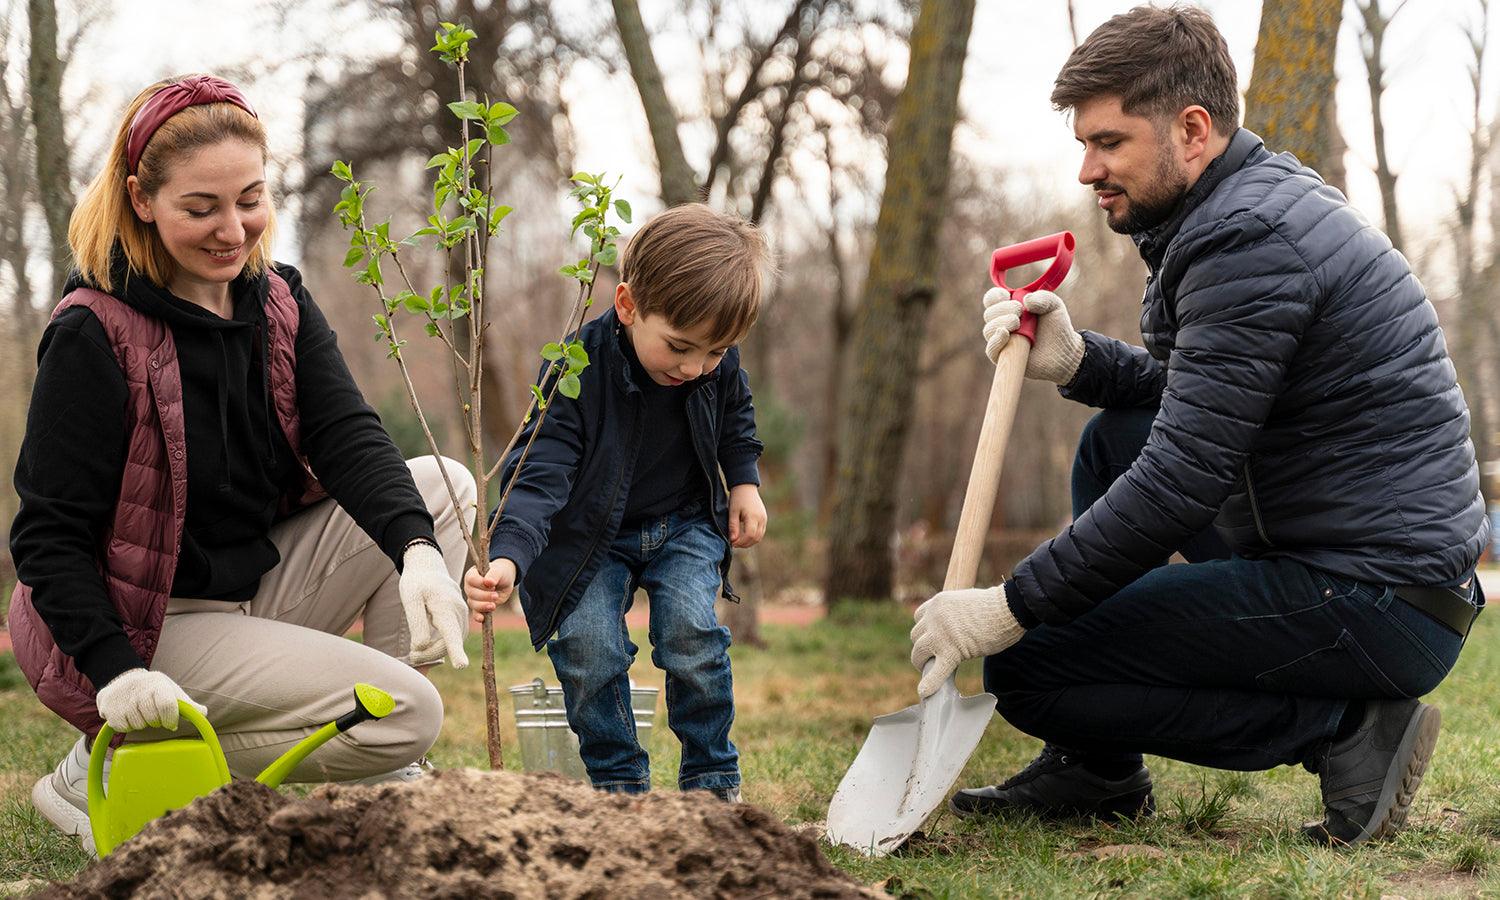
[148, 779]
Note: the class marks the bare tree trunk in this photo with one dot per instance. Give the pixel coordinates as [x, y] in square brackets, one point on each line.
[1371, 45]
[841, 324]
[1293, 78]
[52, 167]
[678, 183]
[1471, 334]
[889, 327]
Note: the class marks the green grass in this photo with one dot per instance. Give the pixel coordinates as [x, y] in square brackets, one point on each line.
[804, 708]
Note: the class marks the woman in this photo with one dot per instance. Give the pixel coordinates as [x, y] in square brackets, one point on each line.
[173, 541]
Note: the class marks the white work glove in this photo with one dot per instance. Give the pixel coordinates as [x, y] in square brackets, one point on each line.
[957, 625]
[1058, 349]
[140, 698]
[436, 614]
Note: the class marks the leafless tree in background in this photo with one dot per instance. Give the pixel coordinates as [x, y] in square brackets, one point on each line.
[1373, 25]
[899, 290]
[1474, 335]
[1292, 82]
[54, 179]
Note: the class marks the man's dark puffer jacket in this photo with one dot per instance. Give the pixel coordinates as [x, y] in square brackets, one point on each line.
[1308, 407]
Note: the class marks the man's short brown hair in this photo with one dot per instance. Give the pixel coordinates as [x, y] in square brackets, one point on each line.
[1158, 62]
[693, 264]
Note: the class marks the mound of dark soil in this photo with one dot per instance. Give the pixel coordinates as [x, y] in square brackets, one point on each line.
[464, 834]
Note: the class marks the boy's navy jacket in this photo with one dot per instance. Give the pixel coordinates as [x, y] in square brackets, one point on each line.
[566, 508]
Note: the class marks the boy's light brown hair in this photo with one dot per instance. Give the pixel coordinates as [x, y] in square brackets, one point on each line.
[1158, 61]
[693, 264]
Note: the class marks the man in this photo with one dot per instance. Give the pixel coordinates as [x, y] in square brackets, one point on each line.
[1294, 428]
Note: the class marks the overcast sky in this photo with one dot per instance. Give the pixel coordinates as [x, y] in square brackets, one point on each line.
[1015, 51]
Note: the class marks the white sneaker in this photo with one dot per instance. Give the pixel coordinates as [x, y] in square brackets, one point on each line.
[411, 772]
[62, 797]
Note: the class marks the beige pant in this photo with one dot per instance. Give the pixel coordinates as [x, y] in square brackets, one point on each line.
[273, 669]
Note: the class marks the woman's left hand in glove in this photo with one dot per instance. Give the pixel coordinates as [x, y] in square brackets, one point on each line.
[436, 614]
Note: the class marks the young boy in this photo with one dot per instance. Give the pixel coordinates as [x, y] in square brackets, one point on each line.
[625, 488]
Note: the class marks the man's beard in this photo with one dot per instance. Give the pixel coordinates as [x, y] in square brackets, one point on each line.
[1152, 204]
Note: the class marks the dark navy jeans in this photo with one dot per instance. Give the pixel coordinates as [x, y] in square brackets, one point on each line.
[675, 558]
[1227, 662]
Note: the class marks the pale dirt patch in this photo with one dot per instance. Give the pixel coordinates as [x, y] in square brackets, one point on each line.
[1428, 882]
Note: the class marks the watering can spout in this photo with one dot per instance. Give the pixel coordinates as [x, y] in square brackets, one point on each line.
[370, 702]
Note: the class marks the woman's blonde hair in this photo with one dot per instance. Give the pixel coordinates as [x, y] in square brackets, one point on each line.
[104, 219]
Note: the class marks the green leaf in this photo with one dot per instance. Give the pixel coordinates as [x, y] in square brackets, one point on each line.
[415, 303]
[496, 135]
[608, 255]
[432, 329]
[467, 109]
[552, 351]
[499, 113]
[570, 387]
[342, 171]
[474, 145]
[372, 271]
[570, 271]
[440, 159]
[622, 209]
[577, 355]
[352, 258]
[541, 401]
[497, 215]
[584, 178]
[583, 216]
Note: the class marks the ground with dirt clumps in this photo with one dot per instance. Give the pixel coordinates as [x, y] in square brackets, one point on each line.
[464, 834]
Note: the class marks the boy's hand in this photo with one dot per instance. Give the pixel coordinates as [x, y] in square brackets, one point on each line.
[488, 591]
[747, 516]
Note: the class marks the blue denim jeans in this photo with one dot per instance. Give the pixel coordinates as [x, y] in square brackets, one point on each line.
[675, 558]
[1227, 662]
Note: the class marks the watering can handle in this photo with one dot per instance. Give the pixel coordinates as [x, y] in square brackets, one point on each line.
[1057, 247]
[106, 737]
[1000, 408]
[187, 711]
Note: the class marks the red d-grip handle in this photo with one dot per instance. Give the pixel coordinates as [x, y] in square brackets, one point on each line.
[1057, 247]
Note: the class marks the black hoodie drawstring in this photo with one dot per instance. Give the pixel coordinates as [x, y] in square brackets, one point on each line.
[224, 483]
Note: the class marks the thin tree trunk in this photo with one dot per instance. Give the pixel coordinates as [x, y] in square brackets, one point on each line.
[52, 166]
[678, 183]
[1372, 43]
[1293, 78]
[1471, 335]
[889, 327]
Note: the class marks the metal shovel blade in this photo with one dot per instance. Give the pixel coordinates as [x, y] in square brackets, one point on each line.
[905, 769]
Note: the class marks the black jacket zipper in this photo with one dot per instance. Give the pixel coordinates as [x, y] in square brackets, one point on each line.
[1260, 525]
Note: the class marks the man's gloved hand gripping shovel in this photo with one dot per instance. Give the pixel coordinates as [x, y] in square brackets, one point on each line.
[912, 758]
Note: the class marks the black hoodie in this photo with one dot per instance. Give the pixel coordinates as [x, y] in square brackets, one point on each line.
[239, 463]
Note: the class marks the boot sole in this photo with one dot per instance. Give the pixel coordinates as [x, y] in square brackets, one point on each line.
[63, 815]
[1401, 782]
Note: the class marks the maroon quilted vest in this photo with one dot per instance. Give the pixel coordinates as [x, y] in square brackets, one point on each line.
[138, 558]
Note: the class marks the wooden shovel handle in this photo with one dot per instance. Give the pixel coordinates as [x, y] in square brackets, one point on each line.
[984, 478]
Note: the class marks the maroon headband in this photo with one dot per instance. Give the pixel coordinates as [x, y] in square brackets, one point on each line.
[194, 90]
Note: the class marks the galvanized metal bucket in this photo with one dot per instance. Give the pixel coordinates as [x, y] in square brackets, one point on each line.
[547, 743]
